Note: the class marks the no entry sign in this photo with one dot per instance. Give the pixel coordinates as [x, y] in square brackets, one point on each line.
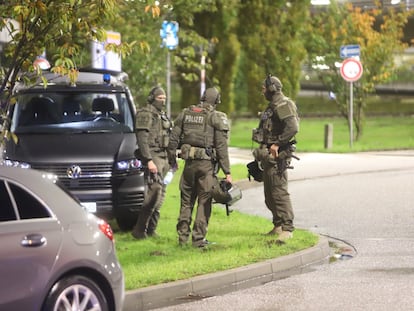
[351, 69]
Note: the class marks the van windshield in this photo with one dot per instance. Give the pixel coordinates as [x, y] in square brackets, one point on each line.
[72, 112]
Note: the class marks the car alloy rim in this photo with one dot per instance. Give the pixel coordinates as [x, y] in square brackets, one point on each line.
[77, 297]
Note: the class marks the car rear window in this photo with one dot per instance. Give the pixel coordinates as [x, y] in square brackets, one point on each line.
[6, 207]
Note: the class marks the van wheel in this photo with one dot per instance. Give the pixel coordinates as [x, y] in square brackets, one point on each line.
[75, 293]
[126, 220]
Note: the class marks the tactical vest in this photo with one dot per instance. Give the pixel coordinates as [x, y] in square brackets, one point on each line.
[197, 130]
[271, 122]
[159, 127]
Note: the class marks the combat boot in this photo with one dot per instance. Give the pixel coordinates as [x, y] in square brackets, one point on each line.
[139, 235]
[139, 231]
[275, 231]
[152, 233]
[285, 235]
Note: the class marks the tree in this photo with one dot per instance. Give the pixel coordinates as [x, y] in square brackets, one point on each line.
[196, 40]
[225, 56]
[59, 28]
[146, 65]
[217, 25]
[140, 22]
[378, 32]
[270, 32]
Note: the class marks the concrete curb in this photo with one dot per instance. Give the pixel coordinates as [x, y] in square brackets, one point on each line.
[227, 281]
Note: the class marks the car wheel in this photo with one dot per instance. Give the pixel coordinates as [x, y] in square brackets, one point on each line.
[75, 293]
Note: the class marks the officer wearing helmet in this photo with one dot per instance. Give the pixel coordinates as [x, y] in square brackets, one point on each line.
[201, 133]
[153, 128]
[278, 125]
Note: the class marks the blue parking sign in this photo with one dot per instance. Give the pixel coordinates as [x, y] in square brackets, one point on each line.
[347, 51]
[169, 34]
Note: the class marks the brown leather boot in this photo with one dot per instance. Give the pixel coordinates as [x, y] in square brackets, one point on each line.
[275, 231]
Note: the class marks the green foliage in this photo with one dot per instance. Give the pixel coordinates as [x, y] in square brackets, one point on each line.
[270, 33]
[140, 22]
[226, 52]
[342, 25]
[58, 28]
[241, 41]
[382, 133]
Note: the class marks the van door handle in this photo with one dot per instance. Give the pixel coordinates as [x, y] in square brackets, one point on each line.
[33, 240]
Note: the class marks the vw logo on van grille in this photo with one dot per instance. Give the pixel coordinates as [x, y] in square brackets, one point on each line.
[74, 171]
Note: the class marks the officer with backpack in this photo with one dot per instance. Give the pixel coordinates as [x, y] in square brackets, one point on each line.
[201, 133]
[278, 125]
[153, 128]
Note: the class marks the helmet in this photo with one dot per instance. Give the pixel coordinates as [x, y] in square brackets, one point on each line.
[211, 96]
[272, 84]
[225, 193]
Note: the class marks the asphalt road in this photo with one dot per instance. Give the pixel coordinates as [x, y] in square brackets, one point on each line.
[363, 199]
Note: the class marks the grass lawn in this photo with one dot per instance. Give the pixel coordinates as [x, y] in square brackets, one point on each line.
[380, 133]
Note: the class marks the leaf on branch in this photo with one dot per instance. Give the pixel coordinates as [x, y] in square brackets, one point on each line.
[73, 75]
[155, 10]
[14, 137]
[44, 80]
[144, 46]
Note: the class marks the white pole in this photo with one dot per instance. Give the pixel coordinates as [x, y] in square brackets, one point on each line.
[203, 75]
[351, 113]
[168, 85]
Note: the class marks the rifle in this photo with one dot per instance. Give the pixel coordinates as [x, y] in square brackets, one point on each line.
[286, 152]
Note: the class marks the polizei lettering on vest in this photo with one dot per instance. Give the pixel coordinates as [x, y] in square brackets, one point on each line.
[194, 119]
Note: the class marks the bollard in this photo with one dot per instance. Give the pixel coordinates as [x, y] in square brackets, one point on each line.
[328, 135]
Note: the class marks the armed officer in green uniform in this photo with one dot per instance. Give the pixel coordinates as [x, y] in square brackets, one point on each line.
[201, 132]
[153, 128]
[278, 125]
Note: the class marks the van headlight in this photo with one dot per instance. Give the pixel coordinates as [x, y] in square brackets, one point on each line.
[12, 163]
[127, 165]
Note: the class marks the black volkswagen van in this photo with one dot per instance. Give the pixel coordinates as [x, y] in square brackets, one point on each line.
[84, 134]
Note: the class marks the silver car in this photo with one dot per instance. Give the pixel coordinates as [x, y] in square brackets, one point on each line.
[54, 255]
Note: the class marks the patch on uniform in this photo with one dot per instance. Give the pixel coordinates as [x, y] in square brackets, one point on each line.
[220, 121]
[285, 110]
[194, 119]
[197, 109]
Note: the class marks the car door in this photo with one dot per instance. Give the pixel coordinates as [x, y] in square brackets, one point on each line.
[30, 238]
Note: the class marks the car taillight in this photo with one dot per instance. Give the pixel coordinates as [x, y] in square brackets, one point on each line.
[106, 229]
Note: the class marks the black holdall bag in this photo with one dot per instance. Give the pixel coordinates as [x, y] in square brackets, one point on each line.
[255, 170]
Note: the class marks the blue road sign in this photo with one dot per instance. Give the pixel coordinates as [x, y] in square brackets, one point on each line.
[169, 34]
[347, 51]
